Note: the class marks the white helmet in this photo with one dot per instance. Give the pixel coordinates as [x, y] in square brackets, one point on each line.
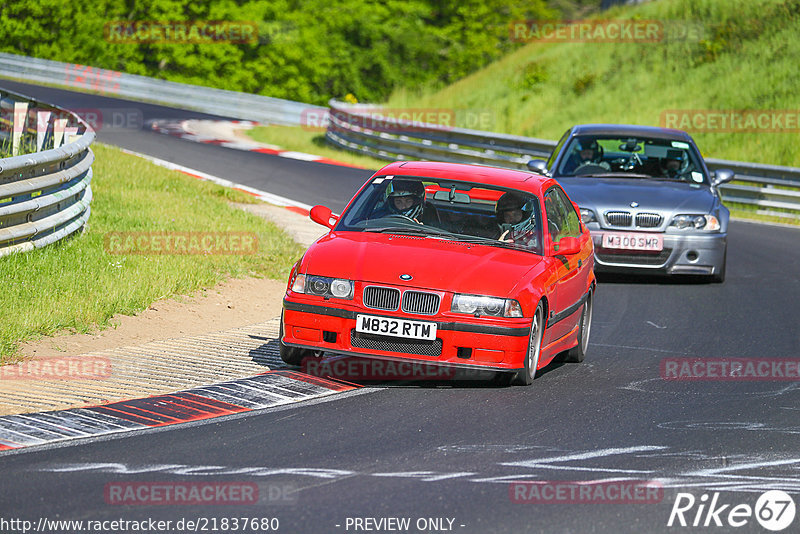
[406, 188]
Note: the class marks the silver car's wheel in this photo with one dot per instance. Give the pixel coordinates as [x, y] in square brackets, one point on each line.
[719, 276]
[525, 376]
[578, 353]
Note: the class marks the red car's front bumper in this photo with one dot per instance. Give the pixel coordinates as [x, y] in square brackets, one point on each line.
[461, 340]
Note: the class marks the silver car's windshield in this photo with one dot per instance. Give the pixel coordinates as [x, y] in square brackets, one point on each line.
[453, 210]
[631, 157]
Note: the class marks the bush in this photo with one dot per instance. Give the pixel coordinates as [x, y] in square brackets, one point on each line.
[306, 51]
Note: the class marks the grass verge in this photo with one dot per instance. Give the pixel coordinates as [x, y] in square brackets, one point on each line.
[736, 55]
[753, 213]
[77, 285]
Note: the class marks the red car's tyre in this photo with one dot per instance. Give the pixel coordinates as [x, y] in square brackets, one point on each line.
[578, 353]
[292, 355]
[525, 376]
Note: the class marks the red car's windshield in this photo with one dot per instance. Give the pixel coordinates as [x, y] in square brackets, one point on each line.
[461, 211]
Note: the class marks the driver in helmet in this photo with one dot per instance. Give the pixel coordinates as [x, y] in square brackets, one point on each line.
[407, 198]
[586, 152]
[514, 215]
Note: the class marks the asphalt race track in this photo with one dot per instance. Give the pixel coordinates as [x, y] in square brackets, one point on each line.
[444, 454]
[307, 182]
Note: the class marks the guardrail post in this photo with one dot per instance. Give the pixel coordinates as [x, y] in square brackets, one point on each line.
[59, 125]
[18, 121]
[69, 133]
[42, 126]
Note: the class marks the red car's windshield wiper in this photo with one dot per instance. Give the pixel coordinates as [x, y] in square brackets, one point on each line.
[422, 230]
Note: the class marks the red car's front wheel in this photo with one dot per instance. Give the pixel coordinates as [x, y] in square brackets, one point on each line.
[525, 376]
[292, 355]
[578, 353]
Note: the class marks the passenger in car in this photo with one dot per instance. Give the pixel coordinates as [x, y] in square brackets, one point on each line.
[673, 165]
[516, 224]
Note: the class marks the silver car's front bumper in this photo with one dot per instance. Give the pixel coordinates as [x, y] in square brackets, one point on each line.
[682, 254]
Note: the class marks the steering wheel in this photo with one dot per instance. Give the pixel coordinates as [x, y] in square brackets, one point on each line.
[400, 217]
[589, 168]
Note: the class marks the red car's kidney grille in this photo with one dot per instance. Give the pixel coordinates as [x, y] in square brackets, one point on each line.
[388, 344]
[421, 303]
[381, 298]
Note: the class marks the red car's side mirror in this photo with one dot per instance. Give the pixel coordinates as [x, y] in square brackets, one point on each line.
[324, 216]
[567, 246]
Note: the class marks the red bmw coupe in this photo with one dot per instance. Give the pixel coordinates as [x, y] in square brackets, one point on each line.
[446, 264]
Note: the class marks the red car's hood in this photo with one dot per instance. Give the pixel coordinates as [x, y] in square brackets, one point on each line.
[433, 263]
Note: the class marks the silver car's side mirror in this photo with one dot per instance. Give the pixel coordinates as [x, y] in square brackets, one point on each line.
[538, 165]
[722, 176]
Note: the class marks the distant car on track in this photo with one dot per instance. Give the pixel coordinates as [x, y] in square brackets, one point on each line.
[647, 197]
[448, 264]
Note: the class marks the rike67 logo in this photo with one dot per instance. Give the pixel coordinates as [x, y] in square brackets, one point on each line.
[774, 510]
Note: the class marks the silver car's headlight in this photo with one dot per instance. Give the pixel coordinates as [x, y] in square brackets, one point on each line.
[708, 223]
[480, 305]
[588, 216]
[323, 286]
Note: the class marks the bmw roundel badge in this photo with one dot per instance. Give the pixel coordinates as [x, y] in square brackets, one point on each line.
[406, 277]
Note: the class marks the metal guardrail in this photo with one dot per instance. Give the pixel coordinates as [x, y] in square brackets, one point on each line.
[180, 95]
[45, 194]
[773, 190]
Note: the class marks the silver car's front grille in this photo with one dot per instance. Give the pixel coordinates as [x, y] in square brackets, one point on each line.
[619, 218]
[635, 259]
[648, 220]
[381, 298]
[421, 303]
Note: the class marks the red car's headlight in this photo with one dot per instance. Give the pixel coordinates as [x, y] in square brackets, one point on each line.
[481, 305]
[323, 286]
